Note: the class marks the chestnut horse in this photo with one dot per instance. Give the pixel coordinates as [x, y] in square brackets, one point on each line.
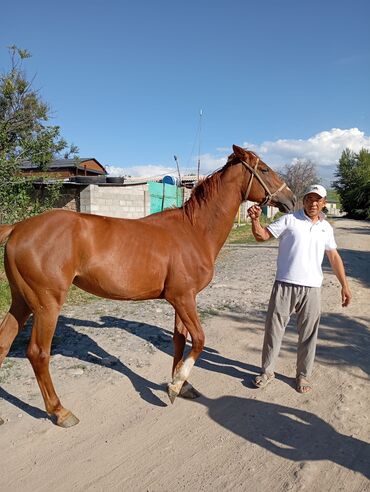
[168, 255]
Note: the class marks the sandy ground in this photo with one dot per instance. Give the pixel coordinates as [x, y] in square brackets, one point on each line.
[110, 364]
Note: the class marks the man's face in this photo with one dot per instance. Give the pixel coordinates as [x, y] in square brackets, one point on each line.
[313, 204]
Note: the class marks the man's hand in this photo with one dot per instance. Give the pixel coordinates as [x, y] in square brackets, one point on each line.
[346, 296]
[338, 268]
[254, 212]
[260, 233]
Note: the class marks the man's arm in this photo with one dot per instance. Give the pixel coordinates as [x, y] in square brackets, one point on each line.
[260, 233]
[338, 268]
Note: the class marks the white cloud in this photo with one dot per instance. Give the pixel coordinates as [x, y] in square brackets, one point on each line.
[140, 171]
[209, 162]
[150, 170]
[324, 148]
[115, 171]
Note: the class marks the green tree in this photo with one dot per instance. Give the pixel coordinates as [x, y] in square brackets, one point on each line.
[353, 183]
[25, 136]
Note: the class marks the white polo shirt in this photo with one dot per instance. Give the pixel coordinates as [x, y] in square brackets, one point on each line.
[302, 244]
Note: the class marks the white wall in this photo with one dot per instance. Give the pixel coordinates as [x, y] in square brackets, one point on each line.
[130, 202]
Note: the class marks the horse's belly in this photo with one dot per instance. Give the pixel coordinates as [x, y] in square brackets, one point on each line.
[135, 288]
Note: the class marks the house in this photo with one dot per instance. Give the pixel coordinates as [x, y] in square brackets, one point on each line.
[333, 205]
[66, 168]
[76, 175]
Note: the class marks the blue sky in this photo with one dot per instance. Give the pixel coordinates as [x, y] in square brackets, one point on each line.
[126, 80]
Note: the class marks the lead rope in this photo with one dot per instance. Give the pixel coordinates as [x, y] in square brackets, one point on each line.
[254, 173]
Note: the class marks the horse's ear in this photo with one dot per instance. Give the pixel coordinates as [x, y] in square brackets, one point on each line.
[239, 152]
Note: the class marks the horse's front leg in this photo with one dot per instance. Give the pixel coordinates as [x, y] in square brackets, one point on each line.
[185, 308]
[179, 341]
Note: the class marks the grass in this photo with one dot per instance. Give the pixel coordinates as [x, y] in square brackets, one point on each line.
[243, 234]
[78, 296]
[5, 370]
[207, 313]
[4, 296]
[75, 296]
[79, 366]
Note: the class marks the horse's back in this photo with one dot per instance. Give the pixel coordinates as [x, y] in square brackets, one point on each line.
[38, 231]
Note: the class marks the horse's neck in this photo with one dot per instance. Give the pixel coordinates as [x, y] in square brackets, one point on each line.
[215, 219]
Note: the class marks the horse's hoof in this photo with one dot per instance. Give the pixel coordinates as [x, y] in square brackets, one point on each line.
[171, 393]
[69, 421]
[1, 421]
[189, 392]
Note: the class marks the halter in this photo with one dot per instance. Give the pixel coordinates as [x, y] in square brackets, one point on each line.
[253, 171]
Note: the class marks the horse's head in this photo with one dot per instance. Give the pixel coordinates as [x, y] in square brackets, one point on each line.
[262, 184]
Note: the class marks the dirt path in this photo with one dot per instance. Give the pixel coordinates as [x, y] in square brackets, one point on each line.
[111, 361]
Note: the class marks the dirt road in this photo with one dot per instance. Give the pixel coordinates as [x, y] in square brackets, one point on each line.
[110, 365]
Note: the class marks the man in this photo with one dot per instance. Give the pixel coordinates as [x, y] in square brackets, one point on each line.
[303, 236]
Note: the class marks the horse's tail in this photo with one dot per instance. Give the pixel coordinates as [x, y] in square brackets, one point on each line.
[5, 231]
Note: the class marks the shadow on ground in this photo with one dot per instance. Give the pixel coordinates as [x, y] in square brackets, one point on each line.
[68, 341]
[352, 341]
[357, 265]
[349, 338]
[294, 434]
[343, 341]
[291, 433]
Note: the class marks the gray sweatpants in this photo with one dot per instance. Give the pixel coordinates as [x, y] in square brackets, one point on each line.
[285, 299]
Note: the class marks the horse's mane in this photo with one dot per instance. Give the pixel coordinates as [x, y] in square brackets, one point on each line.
[204, 191]
[206, 188]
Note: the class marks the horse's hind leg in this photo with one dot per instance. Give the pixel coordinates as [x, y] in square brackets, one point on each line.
[39, 355]
[179, 341]
[12, 324]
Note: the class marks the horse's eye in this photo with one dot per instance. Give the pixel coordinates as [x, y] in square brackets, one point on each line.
[265, 170]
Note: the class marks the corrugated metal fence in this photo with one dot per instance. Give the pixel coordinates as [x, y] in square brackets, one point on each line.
[164, 196]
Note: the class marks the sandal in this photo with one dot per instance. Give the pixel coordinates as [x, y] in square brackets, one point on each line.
[263, 380]
[303, 385]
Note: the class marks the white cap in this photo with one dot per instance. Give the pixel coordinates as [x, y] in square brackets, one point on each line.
[318, 189]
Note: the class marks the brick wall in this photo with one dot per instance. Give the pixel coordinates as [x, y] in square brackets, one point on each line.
[130, 202]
